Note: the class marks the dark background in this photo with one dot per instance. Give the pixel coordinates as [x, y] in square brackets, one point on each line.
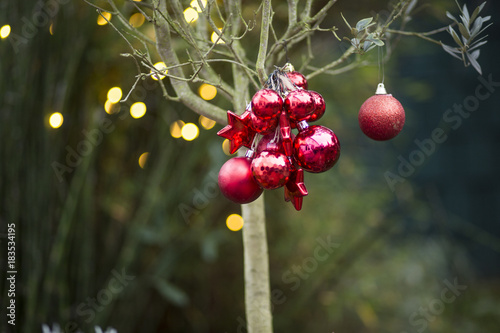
[396, 252]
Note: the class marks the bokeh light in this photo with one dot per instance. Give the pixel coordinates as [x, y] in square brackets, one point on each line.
[51, 28]
[111, 107]
[56, 120]
[215, 36]
[114, 94]
[101, 20]
[5, 31]
[234, 222]
[161, 67]
[176, 129]
[143, 159]
[190, 15]
[136, 20]
[190, 132]
[206, 123]
[138, 109]
[196, 6]
[207, 91]
[226, 147]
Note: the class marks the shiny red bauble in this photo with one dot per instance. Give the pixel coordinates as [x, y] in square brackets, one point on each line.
[299, 105]
[381, 117]
[319, 106]
[271, 169]
[267, 103]
[236, 181]
[316, 148]
[263, 126]
[298, 79]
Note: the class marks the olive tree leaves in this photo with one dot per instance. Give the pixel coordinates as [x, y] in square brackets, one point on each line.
[468, 42]
[363, 40]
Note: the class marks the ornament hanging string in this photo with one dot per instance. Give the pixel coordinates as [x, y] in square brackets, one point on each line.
[381, 63]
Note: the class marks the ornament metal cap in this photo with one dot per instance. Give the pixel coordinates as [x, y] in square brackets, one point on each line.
[381, 89]
[250, 153]
[301, 125]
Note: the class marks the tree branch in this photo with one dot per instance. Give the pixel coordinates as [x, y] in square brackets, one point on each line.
[164, 46]
[264, 38]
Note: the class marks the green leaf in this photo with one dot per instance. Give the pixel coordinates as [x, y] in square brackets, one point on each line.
[376, 41]
[477, 11]
[477, 44]
[476, 27]
[474, 63]
[464, 31]
[362, 24]
[465, 11]
[465, 20]
[452, 51]
[350, 28]
[455, 36]
[450, 16]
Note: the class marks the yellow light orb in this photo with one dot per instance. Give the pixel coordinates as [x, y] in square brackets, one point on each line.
[101, 20]
[136, 20]
[143, 159]
[190, 15]
[110, 107]
[56, 120]
[207, 91]
[5, 31]
[190, 132]
[215, 36]
[206, 123]
[114, 94]
[51, 28]
[161, 67]
[138, 109]
[226, 147]
[176, 129]
[196, 6]
[234, 222]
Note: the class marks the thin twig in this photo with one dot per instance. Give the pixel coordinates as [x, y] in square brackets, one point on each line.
[264, 38]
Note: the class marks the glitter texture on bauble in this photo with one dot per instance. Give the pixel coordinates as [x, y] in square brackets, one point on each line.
[381, 117]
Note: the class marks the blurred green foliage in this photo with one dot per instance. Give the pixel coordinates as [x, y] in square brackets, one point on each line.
[107, 216]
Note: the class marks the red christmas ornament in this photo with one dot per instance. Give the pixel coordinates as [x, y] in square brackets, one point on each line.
[263, 126]
[319, 106]
[298, 79]
[286, 134]
[265, 140]
[238, 131]
[271, 168]
[299, 105]
[316, 148]
[295, 189]
[381, 117]
[236, 181]
[267, 103]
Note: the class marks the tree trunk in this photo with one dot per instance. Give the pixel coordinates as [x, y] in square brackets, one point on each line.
[257, 288]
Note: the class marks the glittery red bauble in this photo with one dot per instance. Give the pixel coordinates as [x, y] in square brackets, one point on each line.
[319, 106]
[316, 148]
[299, 105]
[267, 103]
[381, 117]
[271, 169]
[263, 126]
[298, 79]
[236, 181]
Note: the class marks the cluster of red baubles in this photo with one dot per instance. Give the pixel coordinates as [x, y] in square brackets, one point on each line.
[276, 156]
